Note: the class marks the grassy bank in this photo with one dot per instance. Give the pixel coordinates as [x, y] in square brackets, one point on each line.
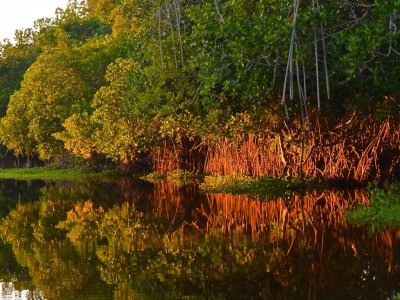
[176, 177]
[382, 211]
[267, 187]
[45, 173]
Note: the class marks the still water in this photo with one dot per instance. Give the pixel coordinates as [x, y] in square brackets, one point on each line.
[137, 240]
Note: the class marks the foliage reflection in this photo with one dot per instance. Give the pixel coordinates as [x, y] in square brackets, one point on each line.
[172, 242]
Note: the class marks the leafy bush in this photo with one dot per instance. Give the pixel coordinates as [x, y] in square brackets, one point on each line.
[383, 209]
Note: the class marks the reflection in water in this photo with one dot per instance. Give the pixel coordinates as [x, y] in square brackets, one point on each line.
[131, 239]
[8, 291]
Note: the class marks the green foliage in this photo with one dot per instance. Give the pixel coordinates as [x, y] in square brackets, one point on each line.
[235, 58]
[43, 249]
[14, 61]
[84, 29]
[154, 177]
[117, 78]
[395, 296]
[142, 256]
[78, 135]
[14, 127]
[77, 248]
[59, 84]
[81, 222]
[182, 174]
[71, 174]
[266, 187]
[382, 211]
[122, 122]
[176, 177]
[369, 65]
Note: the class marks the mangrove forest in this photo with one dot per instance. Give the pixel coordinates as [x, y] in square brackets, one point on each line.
[306, 89]
[202, 149]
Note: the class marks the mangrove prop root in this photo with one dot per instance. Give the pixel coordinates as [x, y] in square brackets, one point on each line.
[351, 150]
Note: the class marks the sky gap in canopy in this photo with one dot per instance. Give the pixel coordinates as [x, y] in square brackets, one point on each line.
[20, 14]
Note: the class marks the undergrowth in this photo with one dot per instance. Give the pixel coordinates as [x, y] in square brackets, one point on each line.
[55, 173]
[268, 187]
[382, 211]
[176, 177]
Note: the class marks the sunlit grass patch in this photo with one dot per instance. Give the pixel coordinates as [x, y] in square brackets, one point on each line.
[383, 210]
[396, 296]
[263, 186]
[43, 173]
[177, 177]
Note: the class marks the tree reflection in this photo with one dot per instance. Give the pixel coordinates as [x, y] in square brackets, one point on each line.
[171, 244]
[54, 265]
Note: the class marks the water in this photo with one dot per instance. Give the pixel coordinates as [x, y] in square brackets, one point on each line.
[136, 240]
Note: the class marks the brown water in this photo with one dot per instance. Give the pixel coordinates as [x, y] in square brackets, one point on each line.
[136, 240]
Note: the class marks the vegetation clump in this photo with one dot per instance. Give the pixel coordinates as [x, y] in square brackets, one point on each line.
[396, 296]
[261, 87]
[178, 177]
[154, 177]
[70, 174]
[383, 209]
[265, 186]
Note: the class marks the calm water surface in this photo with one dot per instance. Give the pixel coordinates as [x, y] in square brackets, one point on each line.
[136, 240]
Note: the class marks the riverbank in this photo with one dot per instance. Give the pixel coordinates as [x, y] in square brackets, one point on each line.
[267, 187]
[383, 209]
[157, 231]
[56, 173]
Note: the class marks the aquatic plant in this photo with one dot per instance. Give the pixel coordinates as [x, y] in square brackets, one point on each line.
[267, 187]
[383, 209]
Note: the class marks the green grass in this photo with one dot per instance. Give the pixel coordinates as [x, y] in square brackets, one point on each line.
[176, 177]
[383, 210]
[43, 173]
[154, 177]
[267, 187]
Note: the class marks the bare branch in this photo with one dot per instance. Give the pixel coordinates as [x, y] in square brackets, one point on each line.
[172, 33]
[218, 12]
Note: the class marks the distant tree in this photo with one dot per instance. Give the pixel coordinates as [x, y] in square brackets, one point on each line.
[60, 83]
[15, 59]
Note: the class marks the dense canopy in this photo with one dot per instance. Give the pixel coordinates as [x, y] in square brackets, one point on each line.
[120, 79]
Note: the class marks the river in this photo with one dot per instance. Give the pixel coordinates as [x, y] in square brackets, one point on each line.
[131, 239]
